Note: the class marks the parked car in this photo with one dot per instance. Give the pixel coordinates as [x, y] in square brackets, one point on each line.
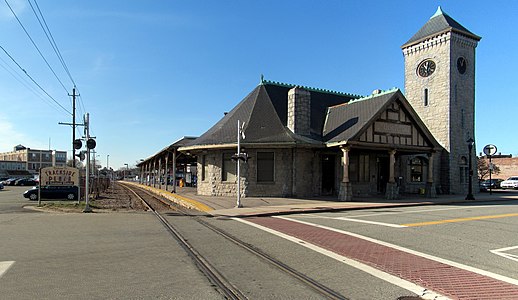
[9, 181]
[25, 181]
[1, 186]
[53, 192]
[510, 183]
[493, 184]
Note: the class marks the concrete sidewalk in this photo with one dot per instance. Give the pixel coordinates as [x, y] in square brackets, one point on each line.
[256, 206]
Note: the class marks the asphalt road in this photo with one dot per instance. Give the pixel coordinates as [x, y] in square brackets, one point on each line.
[131, 256]
[480, 235]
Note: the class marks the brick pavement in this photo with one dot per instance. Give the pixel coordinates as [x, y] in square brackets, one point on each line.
[444, 279]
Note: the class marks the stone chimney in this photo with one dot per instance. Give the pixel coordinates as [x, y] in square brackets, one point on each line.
[299, 111]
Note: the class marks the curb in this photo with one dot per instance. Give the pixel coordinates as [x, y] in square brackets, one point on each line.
[175, 198]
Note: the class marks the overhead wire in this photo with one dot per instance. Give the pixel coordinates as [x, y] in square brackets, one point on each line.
[36, 46]
[7, 67]
[44, 26]
[34, 81]
[50, 37]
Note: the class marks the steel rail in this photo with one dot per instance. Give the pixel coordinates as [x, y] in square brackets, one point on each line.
[315, 285]
[217, 279]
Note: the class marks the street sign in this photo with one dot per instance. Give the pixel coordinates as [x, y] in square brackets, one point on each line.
[59, 176]
[490, 150]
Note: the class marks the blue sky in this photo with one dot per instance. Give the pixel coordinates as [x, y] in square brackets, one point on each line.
[150, 72]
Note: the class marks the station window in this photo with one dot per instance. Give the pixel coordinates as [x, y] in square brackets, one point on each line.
[416, 169]
[425, 98]
[265, 166]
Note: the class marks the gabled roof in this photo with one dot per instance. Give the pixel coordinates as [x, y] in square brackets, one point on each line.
[336, 119]
[265, 112]
[439, 23]
[345, 121]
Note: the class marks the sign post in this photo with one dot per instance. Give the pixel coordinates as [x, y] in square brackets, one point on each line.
[490, 150]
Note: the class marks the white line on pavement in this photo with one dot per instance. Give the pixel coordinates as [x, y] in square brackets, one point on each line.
[502, 253]
[357, 221]
[4, 266]
[410, 286]
[420, 211]
[431, 257]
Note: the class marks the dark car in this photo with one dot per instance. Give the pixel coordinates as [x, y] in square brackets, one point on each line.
[25, 181]
[53, 192]
[10, 181]
[493, 184]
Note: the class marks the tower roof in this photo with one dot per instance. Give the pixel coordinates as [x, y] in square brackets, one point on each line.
[440, 22]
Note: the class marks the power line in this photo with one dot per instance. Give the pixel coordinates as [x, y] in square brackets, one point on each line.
[55, 47]
[25, 83]
[50, 38]
[34, 81]
[36, 46]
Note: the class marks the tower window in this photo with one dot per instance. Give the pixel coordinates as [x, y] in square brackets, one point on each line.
[425, 97]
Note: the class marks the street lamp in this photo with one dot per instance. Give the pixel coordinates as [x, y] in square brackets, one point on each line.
[469, 196]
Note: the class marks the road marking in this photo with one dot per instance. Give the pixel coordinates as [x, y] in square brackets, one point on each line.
[460, 220]
[502, 253]
[360, 221]
[410, 286]
[431, 257]
[420, 211]
[4, 266]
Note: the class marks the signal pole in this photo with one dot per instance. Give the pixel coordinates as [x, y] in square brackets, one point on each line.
[74, 125]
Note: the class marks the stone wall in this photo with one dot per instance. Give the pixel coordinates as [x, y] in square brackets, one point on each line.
[292, 177]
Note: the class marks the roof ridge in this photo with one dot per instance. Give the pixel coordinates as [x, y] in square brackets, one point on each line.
[378, 94]
[319, 90]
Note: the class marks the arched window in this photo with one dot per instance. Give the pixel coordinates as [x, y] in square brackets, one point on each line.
[416, 169]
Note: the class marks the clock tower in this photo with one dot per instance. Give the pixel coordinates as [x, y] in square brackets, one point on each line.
[440, 86]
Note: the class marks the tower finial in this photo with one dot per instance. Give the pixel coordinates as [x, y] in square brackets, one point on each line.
[438, 12]
[262, 79]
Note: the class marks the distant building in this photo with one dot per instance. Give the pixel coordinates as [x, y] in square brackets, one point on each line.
[507, 165]
[31, 160]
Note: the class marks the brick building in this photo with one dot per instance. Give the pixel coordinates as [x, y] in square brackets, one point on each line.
[31, 159]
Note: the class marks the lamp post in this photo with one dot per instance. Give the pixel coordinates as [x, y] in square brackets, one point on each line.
[469, 196]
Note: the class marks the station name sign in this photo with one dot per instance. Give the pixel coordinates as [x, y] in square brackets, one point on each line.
[59, 176]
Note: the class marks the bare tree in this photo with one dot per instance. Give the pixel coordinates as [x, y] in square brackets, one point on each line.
[483, 168]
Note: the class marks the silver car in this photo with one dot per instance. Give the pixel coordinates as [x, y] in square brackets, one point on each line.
[510, 183]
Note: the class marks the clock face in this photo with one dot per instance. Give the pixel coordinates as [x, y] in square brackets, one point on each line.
[426, 68]
[462, 65]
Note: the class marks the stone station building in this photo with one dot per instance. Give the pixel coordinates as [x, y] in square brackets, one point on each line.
[305, 142]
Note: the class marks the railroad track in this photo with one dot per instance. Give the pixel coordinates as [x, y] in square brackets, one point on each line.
[223, 286]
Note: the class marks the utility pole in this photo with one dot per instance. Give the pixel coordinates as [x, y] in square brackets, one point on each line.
[74, 125]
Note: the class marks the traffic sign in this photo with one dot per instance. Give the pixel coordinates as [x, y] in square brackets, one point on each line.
[490, 150]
